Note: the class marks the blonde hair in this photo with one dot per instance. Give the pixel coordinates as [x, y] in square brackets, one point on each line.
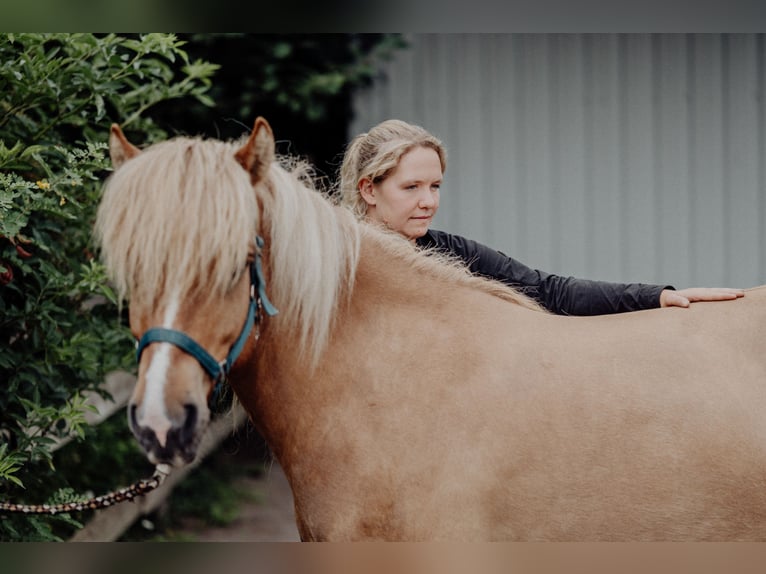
[159, 208]
[375, 154]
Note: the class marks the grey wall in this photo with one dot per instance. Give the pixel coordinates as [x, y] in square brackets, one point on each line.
[616, 157]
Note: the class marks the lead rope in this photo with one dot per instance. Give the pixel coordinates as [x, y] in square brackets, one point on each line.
[136, 489]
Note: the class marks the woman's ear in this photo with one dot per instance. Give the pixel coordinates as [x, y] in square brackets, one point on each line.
[367, 191]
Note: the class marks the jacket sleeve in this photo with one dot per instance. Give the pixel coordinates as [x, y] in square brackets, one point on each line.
[560, 295]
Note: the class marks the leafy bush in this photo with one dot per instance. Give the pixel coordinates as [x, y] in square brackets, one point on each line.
[60, 330]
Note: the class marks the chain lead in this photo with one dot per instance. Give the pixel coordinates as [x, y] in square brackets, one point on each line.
[136, 489]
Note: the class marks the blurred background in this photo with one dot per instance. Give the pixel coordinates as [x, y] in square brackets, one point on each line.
[624, 157]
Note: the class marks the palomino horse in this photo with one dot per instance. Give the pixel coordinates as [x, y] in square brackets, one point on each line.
[406, 399]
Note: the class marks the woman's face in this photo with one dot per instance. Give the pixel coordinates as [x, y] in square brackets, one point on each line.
[407, 200]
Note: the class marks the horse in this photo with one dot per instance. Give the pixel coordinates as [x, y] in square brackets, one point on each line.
[406, 399]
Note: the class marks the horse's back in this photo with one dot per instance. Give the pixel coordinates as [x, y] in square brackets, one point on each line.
[635, 427]
[645, 426]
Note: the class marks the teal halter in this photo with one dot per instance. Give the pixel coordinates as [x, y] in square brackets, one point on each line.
[218, 370]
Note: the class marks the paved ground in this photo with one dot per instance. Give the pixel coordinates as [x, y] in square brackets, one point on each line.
[269, 519]
[266, 513]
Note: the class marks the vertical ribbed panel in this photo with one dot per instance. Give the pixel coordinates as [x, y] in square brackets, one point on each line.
[617, 157]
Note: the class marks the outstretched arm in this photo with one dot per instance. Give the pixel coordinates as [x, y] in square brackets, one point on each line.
[558, 294]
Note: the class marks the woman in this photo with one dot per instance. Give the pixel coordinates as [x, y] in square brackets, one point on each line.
[391, 175]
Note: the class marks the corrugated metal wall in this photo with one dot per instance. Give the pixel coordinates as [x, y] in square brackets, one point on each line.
[616, 157]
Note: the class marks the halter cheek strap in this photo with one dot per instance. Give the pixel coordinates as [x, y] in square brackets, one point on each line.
[218, 370]
[258, 283]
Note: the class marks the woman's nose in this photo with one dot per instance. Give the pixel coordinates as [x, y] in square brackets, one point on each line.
[427, 199]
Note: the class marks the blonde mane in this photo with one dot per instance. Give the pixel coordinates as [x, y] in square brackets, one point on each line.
[180, 218]
[447, 268]
[314, 254]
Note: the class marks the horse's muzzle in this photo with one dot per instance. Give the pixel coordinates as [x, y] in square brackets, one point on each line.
[180, 443]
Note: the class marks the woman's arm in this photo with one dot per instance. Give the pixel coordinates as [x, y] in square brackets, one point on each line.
[569, 295]
[561, 295]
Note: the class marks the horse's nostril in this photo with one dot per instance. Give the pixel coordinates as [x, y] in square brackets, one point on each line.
[132, 416]
[190, 423]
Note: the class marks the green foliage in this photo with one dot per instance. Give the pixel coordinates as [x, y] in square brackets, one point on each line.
[301, 83]
[60, 328]
[10, 464]
[302, 74]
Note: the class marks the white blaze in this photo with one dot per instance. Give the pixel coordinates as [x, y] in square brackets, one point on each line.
[155, 415]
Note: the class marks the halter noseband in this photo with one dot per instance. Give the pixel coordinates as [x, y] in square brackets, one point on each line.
[218, 370]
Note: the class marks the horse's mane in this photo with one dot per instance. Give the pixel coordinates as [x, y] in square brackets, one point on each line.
[314, 254]
[180, 218]
[446, 267]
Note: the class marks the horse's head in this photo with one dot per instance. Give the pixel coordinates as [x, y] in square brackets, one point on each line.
[178, 226]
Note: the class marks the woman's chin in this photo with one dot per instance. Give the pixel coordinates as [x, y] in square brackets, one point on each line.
[418, 227]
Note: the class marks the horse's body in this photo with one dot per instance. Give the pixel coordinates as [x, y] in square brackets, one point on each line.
[445, 413]
[434, 405]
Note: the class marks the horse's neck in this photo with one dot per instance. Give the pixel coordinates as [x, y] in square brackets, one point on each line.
[396, 315]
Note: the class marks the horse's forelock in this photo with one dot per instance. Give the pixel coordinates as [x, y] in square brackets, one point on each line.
[180, 217]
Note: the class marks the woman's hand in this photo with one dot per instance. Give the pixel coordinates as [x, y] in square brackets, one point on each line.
[684, 297]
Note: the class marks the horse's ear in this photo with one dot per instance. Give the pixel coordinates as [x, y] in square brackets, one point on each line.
[258, 152]
[120, 149]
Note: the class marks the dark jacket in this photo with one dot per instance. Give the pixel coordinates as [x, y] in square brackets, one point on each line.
[561, 295]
